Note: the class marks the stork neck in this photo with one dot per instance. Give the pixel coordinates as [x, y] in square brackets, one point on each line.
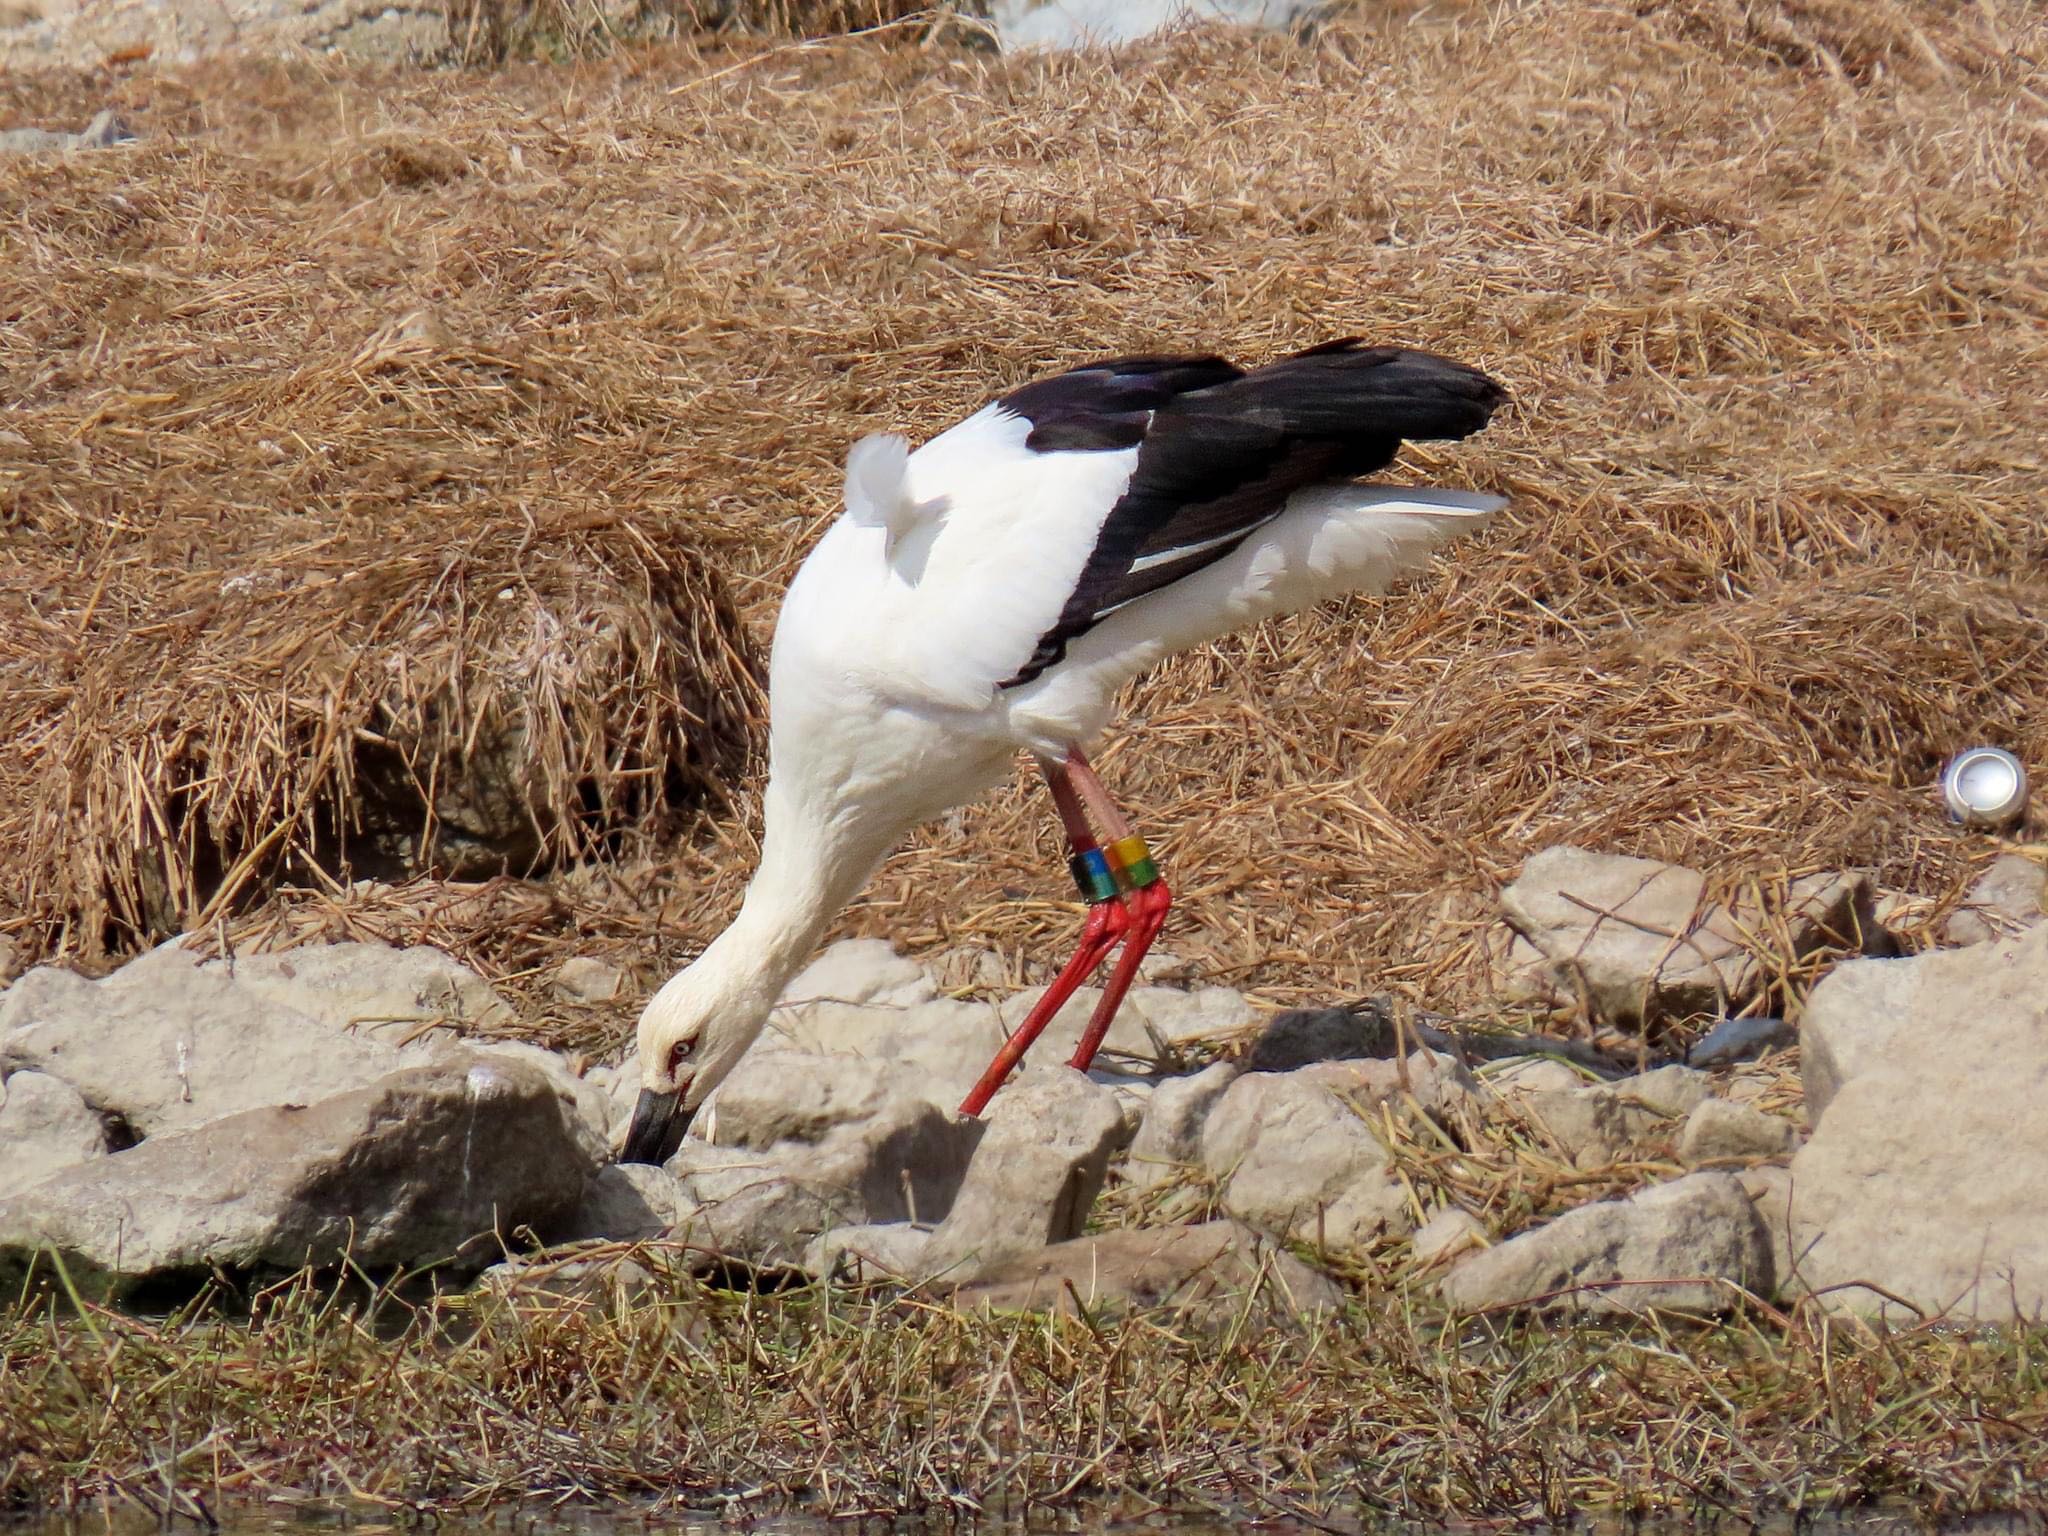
[811, 866]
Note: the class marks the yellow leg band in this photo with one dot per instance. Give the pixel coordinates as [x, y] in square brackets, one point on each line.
[1133, 862]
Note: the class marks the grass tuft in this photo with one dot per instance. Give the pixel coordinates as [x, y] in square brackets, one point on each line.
[845, 1402]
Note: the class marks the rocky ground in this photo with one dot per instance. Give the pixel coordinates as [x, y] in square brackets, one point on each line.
[83, 34]
[241, 1116]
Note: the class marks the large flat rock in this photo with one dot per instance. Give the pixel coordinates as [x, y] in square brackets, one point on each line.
[172, 1040]
[426, 1166]
[1925, 1181]
[860, 999]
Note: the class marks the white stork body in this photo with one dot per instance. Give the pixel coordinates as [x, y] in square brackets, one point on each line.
[994, 590]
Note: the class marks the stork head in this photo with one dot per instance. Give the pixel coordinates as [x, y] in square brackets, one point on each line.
[692, 1033]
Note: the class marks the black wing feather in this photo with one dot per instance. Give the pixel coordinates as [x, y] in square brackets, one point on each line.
[1221, 450]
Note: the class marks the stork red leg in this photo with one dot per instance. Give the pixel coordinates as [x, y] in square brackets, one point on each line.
[1150, 905]
[1107, 923]
[1147, 896]
[1127, 901]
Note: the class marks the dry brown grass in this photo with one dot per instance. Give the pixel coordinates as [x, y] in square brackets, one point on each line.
[852, 1403]
[1766, 280]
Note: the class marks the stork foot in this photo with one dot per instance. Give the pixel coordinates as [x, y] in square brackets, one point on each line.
[1107, 924]
[1149, 905]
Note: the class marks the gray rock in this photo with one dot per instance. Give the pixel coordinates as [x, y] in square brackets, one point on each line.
[1737, 1040]
[1296, 1155]
[1515, 1077]
[421, 1167]
[807, 1144]
[103, 132]
[609, 1282]
[857, 973]
[1060, 25]
[1170, 1136]
[898, 1251]
[1769, 1188]
[859, 998]
[1694, 1245]
[1299, 1037]
[593, 1104]
[626, 1203]
[1899, 924]
[1926, 1175]
[1036, 1173]
[587, 979]
[1032, 1179]
[1633, 1117]
[1634, 940]
[170, 1041]
[1445, 1235]
[2005, 900]
[1214, 1273]
[1150, 1018]
[44, 1126]
[1718, 1131]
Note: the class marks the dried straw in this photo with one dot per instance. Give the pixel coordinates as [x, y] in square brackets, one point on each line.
[1765, 280]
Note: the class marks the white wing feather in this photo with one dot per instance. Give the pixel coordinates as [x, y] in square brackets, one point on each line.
[950, 562]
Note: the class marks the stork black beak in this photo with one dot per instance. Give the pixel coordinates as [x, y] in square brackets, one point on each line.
[659, 1122]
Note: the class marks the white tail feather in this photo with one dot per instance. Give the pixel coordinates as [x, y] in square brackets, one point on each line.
[878, 483]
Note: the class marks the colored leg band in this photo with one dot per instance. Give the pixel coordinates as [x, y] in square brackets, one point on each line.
[1093, 875]
[1133, 861]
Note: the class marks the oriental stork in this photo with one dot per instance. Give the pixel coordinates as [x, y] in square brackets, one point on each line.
[990, 593]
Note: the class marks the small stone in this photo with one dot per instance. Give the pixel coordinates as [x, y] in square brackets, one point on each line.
[1718, 1131]
[1170, 1136]
[1296, 1154]
[586, 979]
[1695, 1245]
[1635, 940]
[44, 1126]
[2006, 899]
[626, 1203]
[1734, 1040]
[1445, 1235]
[1631, 1117]
[603, 1282]
[897, 1251]
[1519, 1076]
[102, 132]
[1039, 1167]
[1214, 1273]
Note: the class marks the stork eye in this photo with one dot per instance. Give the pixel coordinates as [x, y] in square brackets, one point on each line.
[678, 1054]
